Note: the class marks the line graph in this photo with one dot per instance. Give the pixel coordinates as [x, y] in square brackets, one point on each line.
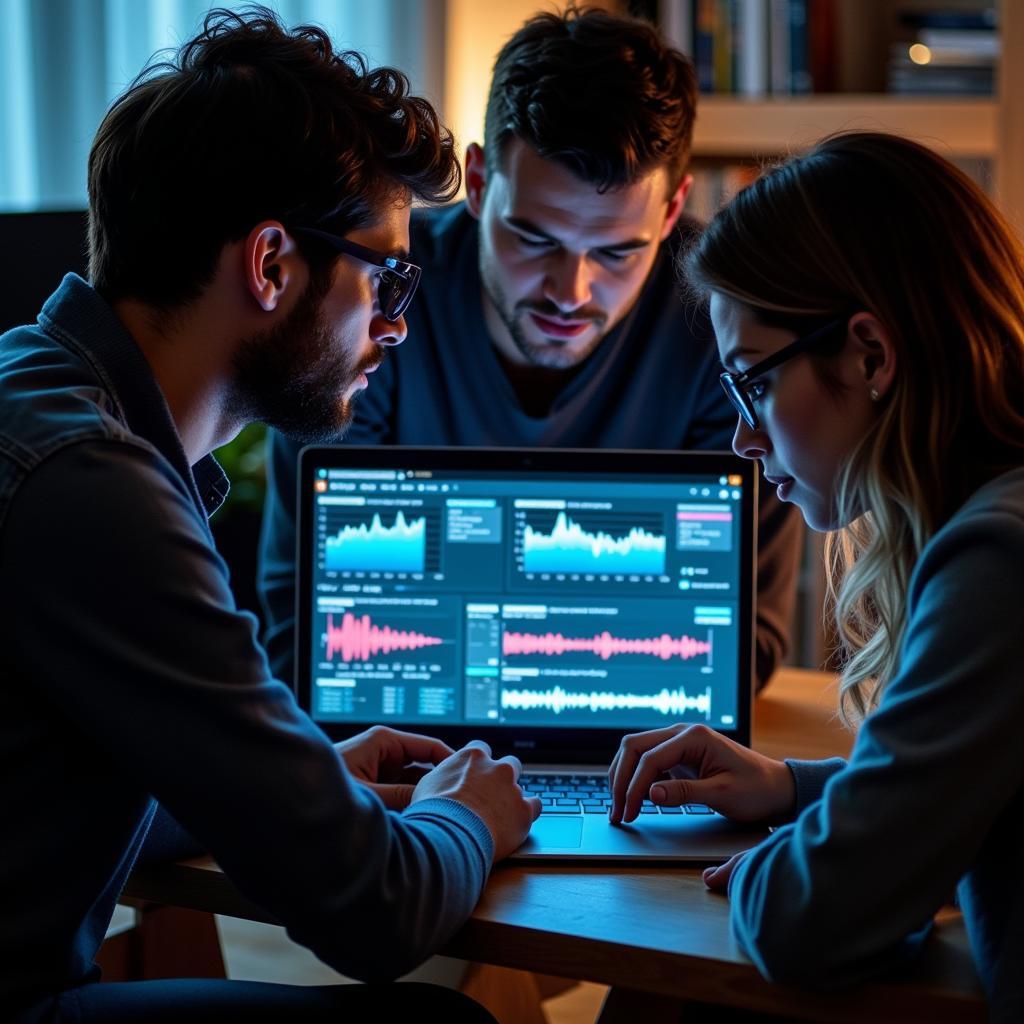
[571, 545]
[374, 546]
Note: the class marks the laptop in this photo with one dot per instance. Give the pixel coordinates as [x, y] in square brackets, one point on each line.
[545, 601]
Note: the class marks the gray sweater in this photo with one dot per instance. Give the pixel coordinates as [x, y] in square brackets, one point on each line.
[932, 799]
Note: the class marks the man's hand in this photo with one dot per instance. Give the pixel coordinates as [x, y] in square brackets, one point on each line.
[390, 762]
[692, 764]
[489, 788]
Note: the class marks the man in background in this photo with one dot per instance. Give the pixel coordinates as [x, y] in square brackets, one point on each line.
[550, 313]
[249, 226]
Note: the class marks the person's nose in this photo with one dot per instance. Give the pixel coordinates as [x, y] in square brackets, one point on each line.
[748, 442]
[388, 332]
[567, 283]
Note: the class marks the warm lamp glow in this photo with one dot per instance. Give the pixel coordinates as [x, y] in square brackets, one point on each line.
[920, 54]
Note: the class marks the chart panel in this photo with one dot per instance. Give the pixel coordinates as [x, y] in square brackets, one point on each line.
[381, 658]
[536, 662]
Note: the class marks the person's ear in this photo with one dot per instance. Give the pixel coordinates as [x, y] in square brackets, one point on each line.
[271, 259]
[874, 354]
[675, 206]
[476, 178]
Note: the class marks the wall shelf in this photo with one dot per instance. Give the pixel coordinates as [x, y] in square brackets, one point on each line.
[733, 126]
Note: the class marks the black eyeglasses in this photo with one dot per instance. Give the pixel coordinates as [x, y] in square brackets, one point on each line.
[739, 386]
[398, 282]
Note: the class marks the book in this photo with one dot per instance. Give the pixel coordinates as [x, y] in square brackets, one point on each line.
[722, 46]
[779, 40]
[823, 45]
[675, 17]
[704, 25]
[751, 42]
[799, 67]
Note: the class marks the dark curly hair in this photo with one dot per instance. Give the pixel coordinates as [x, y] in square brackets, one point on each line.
[600, 93]
[249, 122]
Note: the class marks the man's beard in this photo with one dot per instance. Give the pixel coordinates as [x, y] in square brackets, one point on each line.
[294, 376]
[549, 354]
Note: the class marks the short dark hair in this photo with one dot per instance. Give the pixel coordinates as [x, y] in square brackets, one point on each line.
[601, 93]
[250, 122]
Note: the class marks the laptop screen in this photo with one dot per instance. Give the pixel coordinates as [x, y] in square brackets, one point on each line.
[525, 596]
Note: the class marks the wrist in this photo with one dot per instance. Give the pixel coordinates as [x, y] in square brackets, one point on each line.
[784, 791]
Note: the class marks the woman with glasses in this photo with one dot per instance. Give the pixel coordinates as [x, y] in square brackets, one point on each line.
[868, 302]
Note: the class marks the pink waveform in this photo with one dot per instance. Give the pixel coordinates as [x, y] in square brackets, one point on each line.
[604, 645]
[359, 639]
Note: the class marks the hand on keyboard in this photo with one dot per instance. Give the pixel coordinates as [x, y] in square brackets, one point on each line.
[728, 777]
[588, 794]
[489, 788]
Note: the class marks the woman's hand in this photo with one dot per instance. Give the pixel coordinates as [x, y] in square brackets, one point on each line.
[692, 764]
[390, 762]
[717, 878]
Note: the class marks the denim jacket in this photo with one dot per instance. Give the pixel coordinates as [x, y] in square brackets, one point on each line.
[129, 677]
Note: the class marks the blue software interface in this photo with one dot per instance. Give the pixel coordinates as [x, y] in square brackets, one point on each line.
[525, 599]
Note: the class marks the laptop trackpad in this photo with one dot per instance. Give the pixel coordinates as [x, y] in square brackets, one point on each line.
[548, 830]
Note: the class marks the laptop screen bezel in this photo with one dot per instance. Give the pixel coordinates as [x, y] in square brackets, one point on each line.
[541, 744]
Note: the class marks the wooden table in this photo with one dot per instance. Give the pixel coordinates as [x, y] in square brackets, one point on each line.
[655, 934]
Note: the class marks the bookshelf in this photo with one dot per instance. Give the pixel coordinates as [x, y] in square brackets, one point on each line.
[983, 133]
[734, 126]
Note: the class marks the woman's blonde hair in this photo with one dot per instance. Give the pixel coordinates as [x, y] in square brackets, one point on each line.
[868, 221]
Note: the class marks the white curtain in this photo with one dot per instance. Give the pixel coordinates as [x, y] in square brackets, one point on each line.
[62, 62]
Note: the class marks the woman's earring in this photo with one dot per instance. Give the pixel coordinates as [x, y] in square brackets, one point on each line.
[875, 396]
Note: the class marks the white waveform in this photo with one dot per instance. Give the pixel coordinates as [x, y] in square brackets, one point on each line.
[668, 702]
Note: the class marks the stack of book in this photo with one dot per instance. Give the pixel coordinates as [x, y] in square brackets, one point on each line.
[756, 47]
[945, 52]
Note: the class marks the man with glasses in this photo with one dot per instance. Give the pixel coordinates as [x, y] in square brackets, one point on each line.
[236, 273]
[549, 312]
[398, 279]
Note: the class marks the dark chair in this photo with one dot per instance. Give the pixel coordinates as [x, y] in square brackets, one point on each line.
[39, 249]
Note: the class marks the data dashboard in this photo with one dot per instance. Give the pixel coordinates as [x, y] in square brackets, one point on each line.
[524, 599]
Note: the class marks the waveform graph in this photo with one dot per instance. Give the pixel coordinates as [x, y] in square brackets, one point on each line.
[677, 702]
[386, 659]
[628, 663]
[605, 645]
[579, 543]
[359, 638]
[363, 541]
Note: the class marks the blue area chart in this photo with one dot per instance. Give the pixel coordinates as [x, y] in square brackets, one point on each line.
[375, 547]
[569, 548]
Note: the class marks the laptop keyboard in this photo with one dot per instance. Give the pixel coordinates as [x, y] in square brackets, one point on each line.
[587, 794]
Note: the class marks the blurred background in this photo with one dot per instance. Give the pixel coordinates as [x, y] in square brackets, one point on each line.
[775, 75]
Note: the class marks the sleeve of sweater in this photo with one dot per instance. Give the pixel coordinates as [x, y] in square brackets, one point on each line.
[166, 840]
[851, 885]
[155, 666]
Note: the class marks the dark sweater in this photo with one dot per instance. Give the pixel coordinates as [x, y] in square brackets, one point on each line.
[933, 794]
